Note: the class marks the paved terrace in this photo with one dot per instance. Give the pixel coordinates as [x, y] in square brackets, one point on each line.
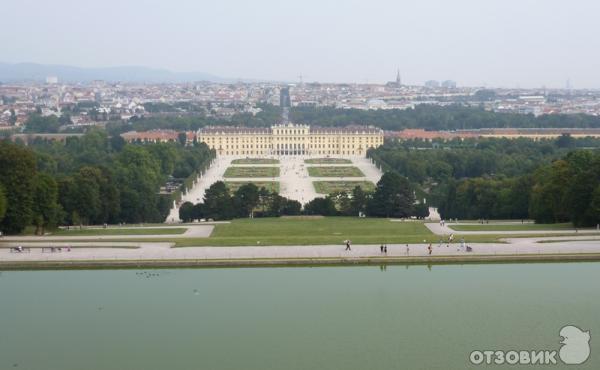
[147, 252]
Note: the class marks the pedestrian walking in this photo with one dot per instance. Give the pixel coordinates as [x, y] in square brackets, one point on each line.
[381, 248]
[385, 249]
[429, 248]
[348, 245]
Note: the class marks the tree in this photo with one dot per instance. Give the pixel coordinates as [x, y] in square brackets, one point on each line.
[186, 212]
[2, 203]
[37, 123]
[393, 197]
[565, 141]
[218, 204]
[46, 210]
[290, 207]
[17, 174]
[359, 201]
[182, 138]
[320, 206]
[595, 206]
[421, 211]
[86, 197]
[245, 199]
[548, 193]
[13, 117]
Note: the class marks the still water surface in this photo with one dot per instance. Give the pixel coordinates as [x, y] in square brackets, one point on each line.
[364, 317]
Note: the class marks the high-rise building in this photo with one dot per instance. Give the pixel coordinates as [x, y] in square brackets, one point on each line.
[432, 84]
[284, 98]
[449, 84]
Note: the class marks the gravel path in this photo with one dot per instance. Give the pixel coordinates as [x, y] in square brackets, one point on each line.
[438, 229]
[294, 180]
[163, 251]
[193, 231]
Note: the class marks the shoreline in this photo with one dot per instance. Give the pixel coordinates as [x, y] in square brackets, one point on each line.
[290, 262]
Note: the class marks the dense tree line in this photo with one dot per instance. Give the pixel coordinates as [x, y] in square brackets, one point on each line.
[93, 179]
[469, 158]
[434, 117]
[548, 180]
[36, 123]
[247, 201]
[185, 116]
[567, 190]
[393, 197]
[268, 116]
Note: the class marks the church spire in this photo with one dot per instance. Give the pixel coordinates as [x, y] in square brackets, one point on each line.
[398, 79]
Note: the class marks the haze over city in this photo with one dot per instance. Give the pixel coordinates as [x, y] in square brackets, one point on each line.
[253, 184]
[493, 43]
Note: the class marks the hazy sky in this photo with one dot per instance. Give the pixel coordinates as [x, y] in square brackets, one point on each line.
[527, 43]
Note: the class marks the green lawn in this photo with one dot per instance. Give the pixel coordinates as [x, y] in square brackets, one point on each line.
[327, 161]
[272, 186]
[255, 161]
[335, 172]
[114, 231]
[512, 227]
[313, 231]
[252, 172]
[328, 187]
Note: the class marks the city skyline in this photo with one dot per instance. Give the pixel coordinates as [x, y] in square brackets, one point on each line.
[497, 44]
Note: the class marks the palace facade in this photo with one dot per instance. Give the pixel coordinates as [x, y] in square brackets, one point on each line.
[291, 139]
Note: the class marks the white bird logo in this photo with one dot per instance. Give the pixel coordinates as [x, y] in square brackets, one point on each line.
[575, 348]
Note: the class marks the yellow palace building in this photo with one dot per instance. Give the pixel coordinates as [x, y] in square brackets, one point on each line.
[291, 139]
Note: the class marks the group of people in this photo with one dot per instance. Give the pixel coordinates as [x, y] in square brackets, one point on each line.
[384, 249]
[59, 249]
[19, 249]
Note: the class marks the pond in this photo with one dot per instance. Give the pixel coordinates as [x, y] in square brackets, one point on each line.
[363, 317]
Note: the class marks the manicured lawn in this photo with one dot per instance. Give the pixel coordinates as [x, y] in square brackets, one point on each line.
[511, 227]
[327, 161]
[335, 172]
[255, 161]
[328, 187]
[272, 186]
[313, 231]
[252, 172]
[114, 231]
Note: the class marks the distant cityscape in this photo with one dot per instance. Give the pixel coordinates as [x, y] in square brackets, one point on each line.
[96, 102]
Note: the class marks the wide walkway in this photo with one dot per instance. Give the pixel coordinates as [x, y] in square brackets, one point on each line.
[438, 229]
[193, 231]
[148, 251]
